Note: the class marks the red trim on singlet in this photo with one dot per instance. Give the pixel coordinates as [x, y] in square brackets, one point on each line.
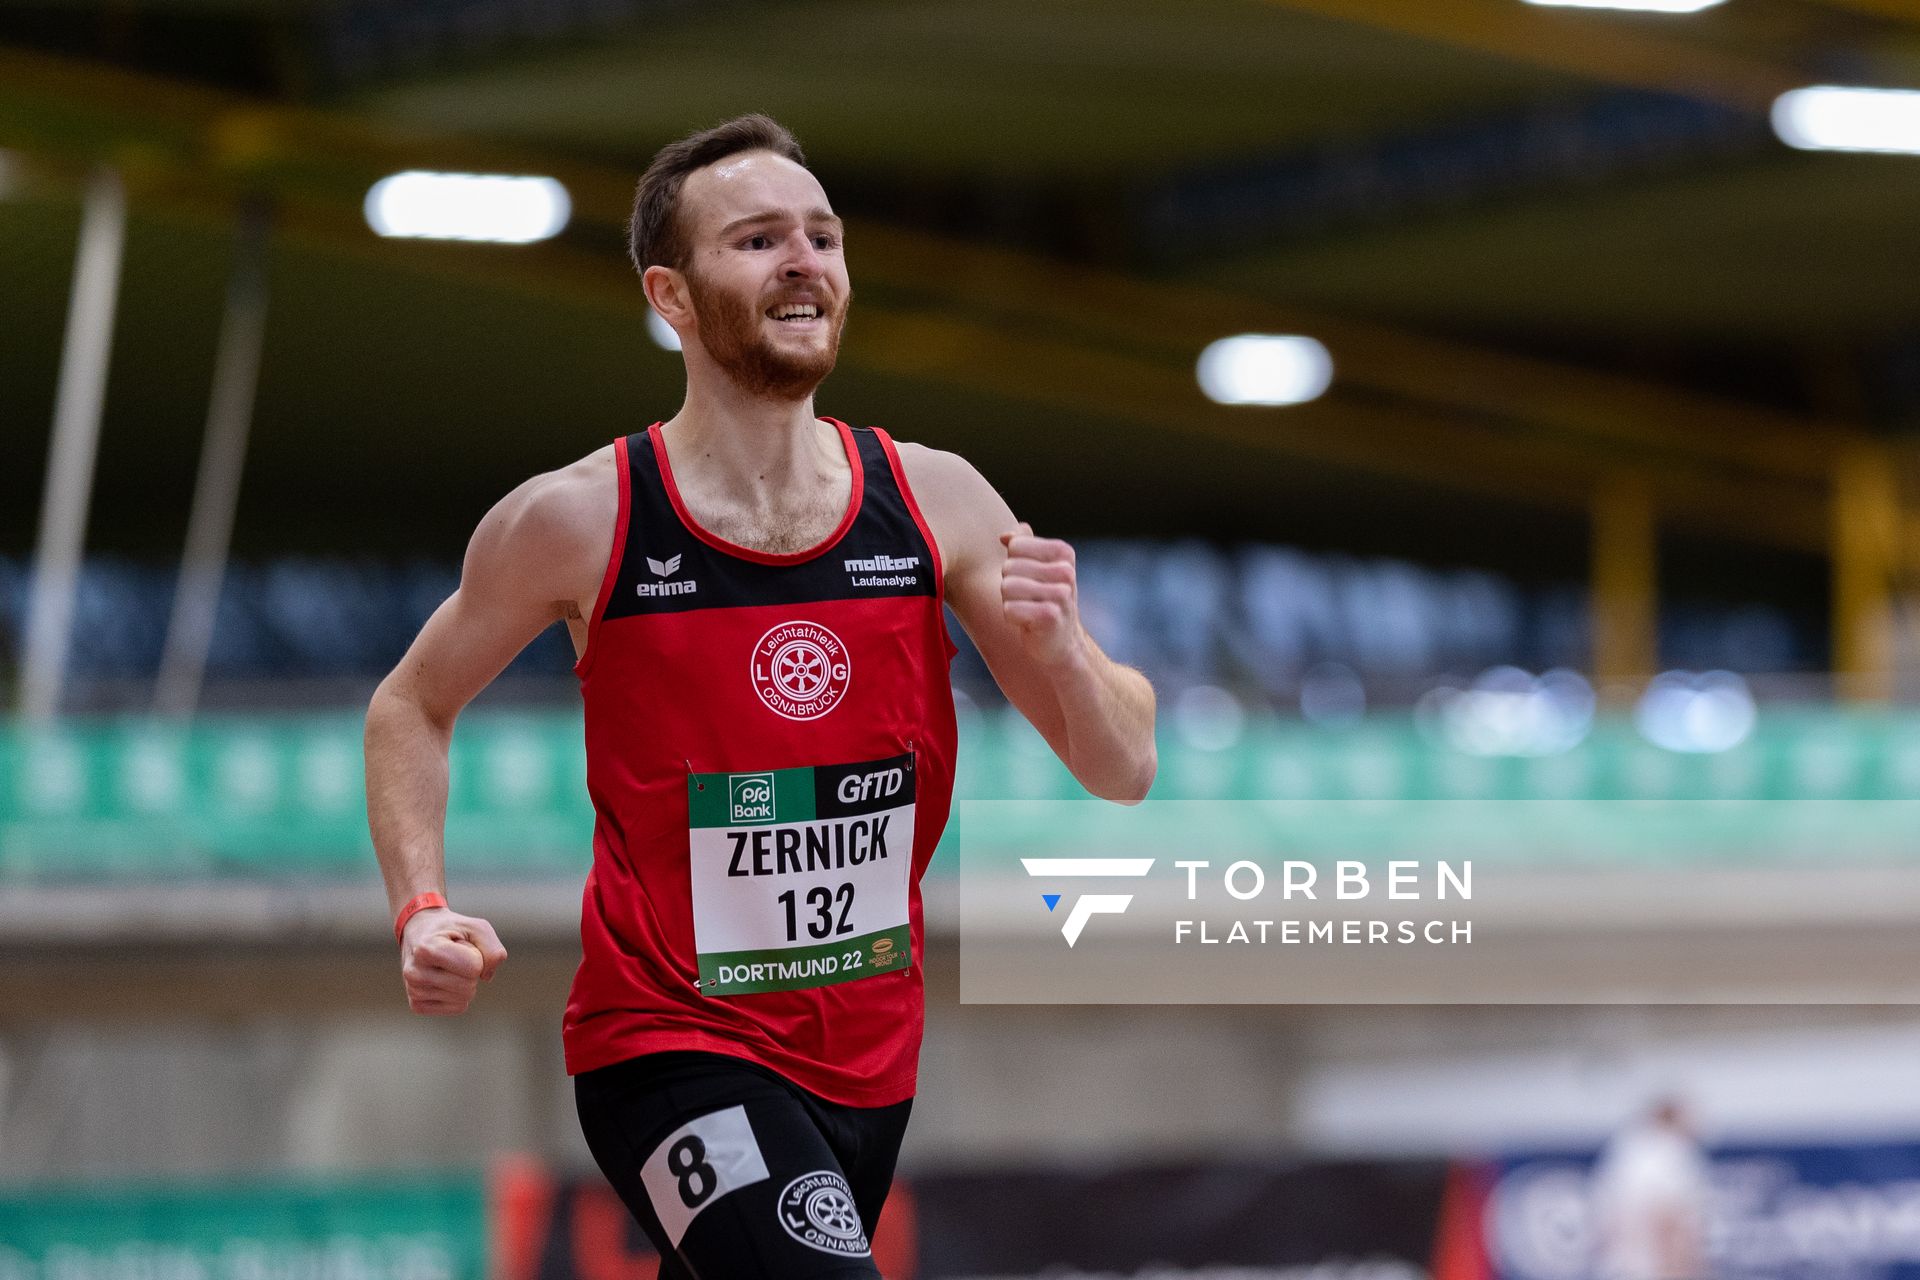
[581, 667]
[906, 491]
[748, 553]
[926, 532]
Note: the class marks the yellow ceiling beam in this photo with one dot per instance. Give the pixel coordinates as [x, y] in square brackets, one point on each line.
[1422, 445]
[1606, 413]
[84, 112]
[1083, 352]
[1071, 356]
[1610, 48]
[1893, 10]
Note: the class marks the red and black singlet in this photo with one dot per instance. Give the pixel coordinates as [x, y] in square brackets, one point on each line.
[770, 751]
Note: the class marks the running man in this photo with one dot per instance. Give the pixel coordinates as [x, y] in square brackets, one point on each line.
[769, 731]
[1651, 1190]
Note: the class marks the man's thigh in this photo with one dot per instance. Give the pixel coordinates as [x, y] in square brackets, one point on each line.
[726, 1171]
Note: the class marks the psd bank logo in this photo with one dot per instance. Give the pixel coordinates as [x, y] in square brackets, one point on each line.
[749, 797]
[1087, 905]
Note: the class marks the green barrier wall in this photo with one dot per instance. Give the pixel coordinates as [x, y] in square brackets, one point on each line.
[282, 797]
[430, 1227]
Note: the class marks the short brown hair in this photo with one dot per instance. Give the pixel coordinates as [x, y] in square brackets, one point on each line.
[654, 234]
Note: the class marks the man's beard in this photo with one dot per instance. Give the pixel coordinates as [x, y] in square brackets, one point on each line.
[730, 331]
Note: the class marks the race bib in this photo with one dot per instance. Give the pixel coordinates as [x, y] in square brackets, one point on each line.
[800, 875]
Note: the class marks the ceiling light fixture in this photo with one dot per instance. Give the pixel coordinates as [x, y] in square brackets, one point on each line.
[1264, 368]
[481, 207]
[1830, 118]
[1632, 6]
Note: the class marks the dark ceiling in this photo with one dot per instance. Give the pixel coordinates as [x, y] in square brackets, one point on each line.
[1546, 246]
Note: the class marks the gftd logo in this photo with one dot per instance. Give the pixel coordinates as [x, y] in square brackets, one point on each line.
[1087, 905]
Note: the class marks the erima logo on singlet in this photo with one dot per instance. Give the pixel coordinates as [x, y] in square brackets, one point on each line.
[662, 569]
[882, 564]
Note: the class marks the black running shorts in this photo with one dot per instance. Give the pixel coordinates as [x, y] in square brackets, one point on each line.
[737, 1173]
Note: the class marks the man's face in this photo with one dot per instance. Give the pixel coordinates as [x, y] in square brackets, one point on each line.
[765, 245]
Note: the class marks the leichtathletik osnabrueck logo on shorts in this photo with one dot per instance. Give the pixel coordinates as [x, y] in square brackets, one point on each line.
[800, 670]
[817, 1209]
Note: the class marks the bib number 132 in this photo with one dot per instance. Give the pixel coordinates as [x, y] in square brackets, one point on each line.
[801, 876]
[821, 902]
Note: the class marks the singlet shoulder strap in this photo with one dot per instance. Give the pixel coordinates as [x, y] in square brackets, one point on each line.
[892, 475]
[615, 555]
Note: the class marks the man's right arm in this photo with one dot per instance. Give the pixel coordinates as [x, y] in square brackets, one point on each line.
[536, 558]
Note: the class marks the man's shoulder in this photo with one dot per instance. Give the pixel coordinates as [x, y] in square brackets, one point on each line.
[584, 494]
[936, 470]
[964, 511]
[561, 519]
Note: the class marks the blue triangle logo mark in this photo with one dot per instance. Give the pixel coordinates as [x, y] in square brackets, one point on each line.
[1051, 899]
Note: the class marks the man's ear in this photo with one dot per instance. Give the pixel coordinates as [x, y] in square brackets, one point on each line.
[667, 293]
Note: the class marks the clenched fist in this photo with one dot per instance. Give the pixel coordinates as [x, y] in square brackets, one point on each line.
[444, 956]
[1041, 595]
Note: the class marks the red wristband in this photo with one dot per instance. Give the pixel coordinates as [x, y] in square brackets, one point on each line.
[417, 903]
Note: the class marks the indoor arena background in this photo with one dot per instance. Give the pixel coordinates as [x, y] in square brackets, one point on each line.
[1611, 495]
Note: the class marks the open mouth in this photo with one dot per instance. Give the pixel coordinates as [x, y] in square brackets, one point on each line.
[794, 312]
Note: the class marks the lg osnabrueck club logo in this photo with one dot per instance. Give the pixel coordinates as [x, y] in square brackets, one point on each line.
[1087, 905]
[800, 669]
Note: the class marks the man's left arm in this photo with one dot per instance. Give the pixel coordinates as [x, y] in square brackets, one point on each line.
[1018, 596]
